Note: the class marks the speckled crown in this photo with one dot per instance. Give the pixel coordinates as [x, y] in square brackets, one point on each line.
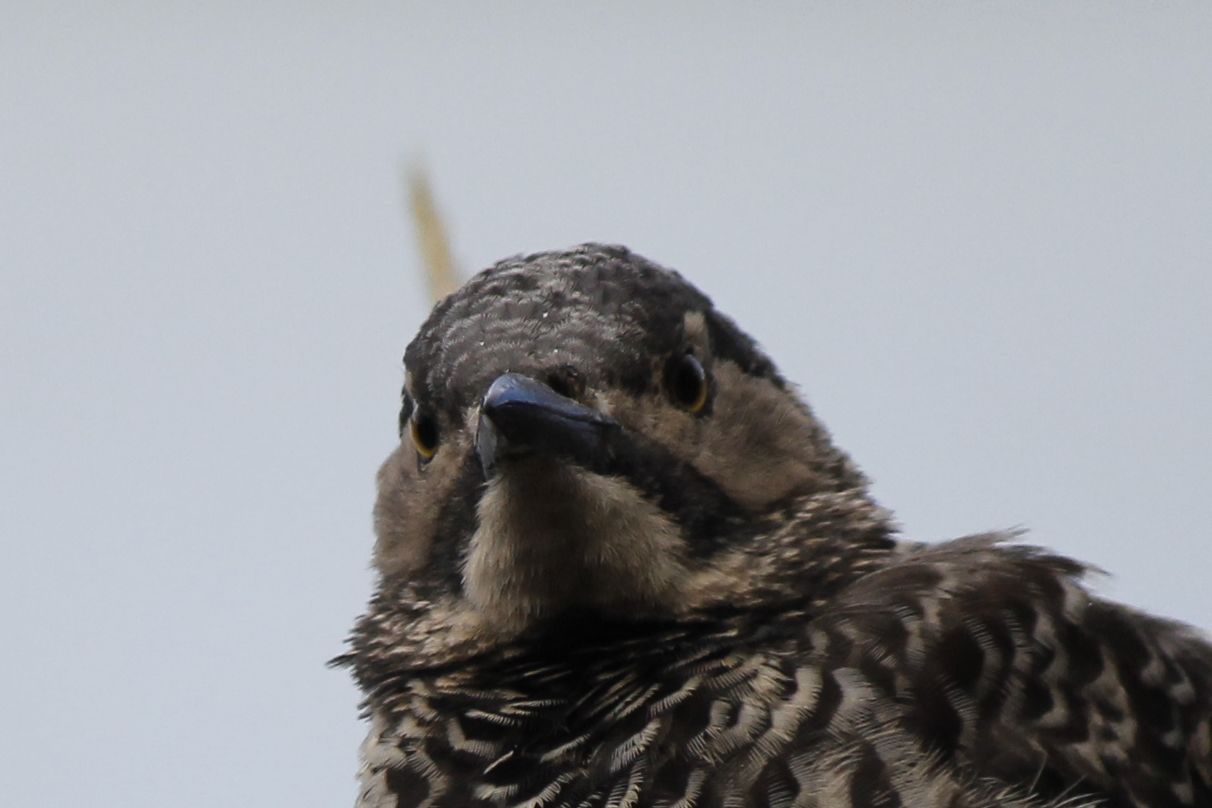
[600, 309]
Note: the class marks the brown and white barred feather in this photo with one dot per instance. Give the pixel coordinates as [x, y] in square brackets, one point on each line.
[970, 673]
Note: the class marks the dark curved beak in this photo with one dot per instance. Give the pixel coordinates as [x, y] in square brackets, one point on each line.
[521, 416]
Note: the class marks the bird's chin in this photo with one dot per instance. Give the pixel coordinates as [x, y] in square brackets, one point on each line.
[555, 540]
[521, 468]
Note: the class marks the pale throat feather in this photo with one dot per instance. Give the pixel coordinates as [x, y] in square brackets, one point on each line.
[554, 539]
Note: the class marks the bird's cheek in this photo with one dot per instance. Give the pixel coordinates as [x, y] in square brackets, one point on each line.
[397, 547]
[409, 508]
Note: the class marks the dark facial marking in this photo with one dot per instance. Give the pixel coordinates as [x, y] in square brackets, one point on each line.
[702, 509]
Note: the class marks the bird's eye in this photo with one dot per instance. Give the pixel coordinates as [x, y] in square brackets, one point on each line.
[424, 431]
[687, 383]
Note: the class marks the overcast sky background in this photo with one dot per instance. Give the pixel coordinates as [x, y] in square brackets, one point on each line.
[979, 237]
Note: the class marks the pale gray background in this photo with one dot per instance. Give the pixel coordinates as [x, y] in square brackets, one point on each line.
[978, 236]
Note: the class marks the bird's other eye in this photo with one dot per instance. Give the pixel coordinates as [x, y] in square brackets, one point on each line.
[424, 431]
[687, 384]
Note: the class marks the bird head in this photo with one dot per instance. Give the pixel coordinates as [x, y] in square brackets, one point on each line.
[583, 436]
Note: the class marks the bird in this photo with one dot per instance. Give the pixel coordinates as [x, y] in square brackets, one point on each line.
[621, 563]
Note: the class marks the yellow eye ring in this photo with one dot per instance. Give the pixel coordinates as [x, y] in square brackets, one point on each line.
[424, 433]
[687, 384]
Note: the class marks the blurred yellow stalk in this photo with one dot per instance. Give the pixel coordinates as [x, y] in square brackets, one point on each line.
[431, 238]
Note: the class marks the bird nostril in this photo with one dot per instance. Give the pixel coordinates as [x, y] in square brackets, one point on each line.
[565, 381]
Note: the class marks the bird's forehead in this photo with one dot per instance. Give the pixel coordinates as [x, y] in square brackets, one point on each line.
[602, 311]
